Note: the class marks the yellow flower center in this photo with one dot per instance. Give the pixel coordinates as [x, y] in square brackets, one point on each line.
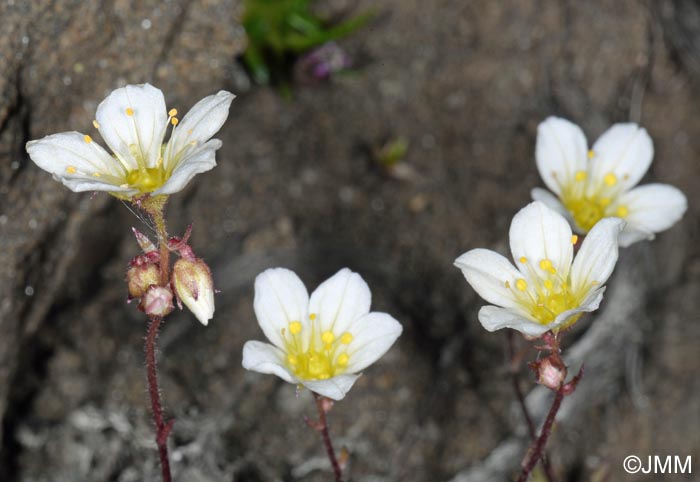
[146, 179]
[546, 294]
[324, 358]
[590, 203]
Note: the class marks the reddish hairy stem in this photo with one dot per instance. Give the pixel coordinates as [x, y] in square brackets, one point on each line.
[514, 365]
[162, 428]
[325, 435]
[537, 448]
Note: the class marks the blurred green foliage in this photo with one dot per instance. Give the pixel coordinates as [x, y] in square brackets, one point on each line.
[392, 152]
[281, 30]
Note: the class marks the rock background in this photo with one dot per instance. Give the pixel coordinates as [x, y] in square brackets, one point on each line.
[467, 83]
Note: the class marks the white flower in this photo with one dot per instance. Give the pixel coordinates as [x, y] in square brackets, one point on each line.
[133, 121]
[546, 291]
[323, 342]
[591, 185]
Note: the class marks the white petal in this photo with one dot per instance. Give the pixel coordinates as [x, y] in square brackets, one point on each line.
[265, 358]
[549, 200]
[202, 121]
[334, 388]
[134, 136]
[596, 259]
[653, 207]
[630, 235]
[538, 233]
[494, 318]
[280, 298]
[626, 151]
[75, 162]
[339, 301]
[201, 160]
[561, 151]
[487, 272]
[373, 335]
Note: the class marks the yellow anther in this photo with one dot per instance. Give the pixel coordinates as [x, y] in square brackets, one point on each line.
[346, 338]
[327, 337]
[129, 111]
[591, 154]
[174, 121]
[581, 175]
[523, 259]
[71, 170]
[521, 284]
[96, 174]
[546, 264]
[343, 359]
[507, 284]
[172, 112]
[574, 239]
[96, 124]
[548, 284]
[295, 327]
[622, 211]
[312, 316]
[87, 139]
[610, 179]
[605, 202]
[292, 359]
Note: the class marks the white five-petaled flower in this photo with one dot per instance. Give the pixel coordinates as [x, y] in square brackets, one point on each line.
[546, 291]
[592, 185]
[133, 121]
[322, 342]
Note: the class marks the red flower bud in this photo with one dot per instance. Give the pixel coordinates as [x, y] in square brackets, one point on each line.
[142, 273]
[157, 301]
[551, 372]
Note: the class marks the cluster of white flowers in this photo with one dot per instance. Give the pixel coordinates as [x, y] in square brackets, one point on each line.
[548, 290]
[322, 342]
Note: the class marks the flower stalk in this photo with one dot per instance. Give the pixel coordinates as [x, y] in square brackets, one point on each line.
[324, 406]
[155, 207]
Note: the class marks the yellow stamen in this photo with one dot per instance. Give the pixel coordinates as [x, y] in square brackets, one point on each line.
[581, 175]
[521, 284]
[96, 124]
[71, 170]
[292, 359]
[574, 239]
[610, 179]
[548, 284]
[343, 359]
[312, 316]
[605, 202]
[622, 211]
[87, 139]
[546, 265]
[523, 259]
[346, 338]
[129, 111]
[172, 112]
[174, 121]
[591, 154]
[295, 327]
[96, 174]
[327, 337]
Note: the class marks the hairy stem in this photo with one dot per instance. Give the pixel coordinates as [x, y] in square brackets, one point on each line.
[537, 448]
[520, 396]
[325, 435]
[155, 207]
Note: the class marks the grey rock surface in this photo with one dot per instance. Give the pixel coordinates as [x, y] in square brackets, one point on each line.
[467, 83]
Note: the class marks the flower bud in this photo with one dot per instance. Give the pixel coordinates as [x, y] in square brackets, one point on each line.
[194, 287]
[141, 275]
[157, 301]
[551, 372]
